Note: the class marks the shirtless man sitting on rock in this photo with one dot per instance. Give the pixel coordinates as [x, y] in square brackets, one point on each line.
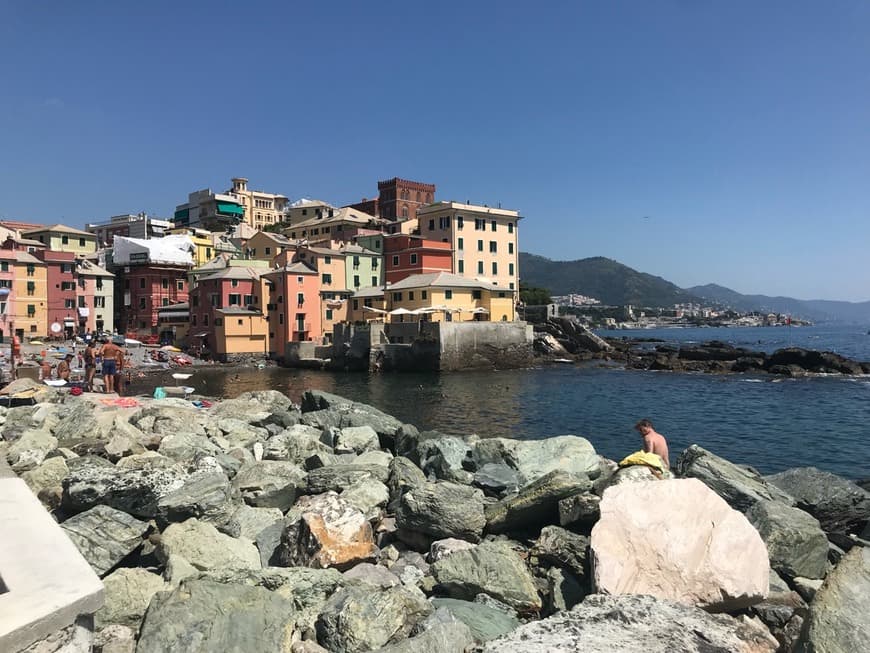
[653, 442]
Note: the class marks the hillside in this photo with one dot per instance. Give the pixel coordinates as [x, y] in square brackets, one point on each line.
[607, 280]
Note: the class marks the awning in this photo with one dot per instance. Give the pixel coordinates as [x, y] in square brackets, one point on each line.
[201, 335]
[163, 314]
[230, 209]
[374, 310]
[401, 311]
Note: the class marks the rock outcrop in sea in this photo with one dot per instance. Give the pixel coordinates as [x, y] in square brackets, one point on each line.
[258, 524]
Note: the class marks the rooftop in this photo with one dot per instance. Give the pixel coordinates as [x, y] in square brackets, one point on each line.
[443, 280]
[470, 208]
[245, 274]
[60, 228]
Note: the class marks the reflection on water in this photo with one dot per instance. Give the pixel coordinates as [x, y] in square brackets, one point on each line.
[768, 422]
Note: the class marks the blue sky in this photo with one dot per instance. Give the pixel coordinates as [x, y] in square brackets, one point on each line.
[723, 142]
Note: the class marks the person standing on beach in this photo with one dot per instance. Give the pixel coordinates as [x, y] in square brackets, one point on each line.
[113, 358]
[90, 359]
[653, 442]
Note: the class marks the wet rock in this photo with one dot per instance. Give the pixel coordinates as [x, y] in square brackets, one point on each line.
[270, 483]
[536, 504]
[442, 458]
[358, 619]
[128, 593]
[795, 542]
[326, 531]
[682, 551]
[440, 510]
[105, 536]
[739, 486]
[205, 548]
[838, 615]
[840, 505]
[202, 616]
[492, 568]
[636, 624]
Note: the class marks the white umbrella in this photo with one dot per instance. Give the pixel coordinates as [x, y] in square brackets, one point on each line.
[131, 341]
[480, 309]
[374, 310]
[401, 311]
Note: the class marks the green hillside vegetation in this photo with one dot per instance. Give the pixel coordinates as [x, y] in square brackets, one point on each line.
[604, 279]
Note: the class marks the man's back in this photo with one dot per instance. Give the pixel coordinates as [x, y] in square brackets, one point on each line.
[655, 442]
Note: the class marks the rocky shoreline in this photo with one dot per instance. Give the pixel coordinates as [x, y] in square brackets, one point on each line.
[257, 524]
[564, 337]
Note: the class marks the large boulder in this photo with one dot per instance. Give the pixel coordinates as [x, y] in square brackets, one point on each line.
[336, 478]
[367, 495]
[134, 491]
[676, 540]
[443, 456]
[440, 510]
[295, 444]
[257, 408]
[739, 486]
[325, 409]
[492, 568]
[29, 450]
[169, 417]
[202, 616]
[838, 620]
[796, 544]
[356, 439]
[536, 504]
[358, 619]
[270, 483]
[486, 622]
[200, 544]
[840, 505]
[105, 536]
[183, 447]
[636, 624]
[446, 634]
[536, 458]
[205, 495]
[325, 531]
[49, 474]
[562, 548]
[129, 590]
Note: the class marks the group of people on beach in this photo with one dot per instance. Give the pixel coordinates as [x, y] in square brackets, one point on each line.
[112, 357]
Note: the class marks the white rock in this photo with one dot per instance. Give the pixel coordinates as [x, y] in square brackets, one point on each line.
[678, 540]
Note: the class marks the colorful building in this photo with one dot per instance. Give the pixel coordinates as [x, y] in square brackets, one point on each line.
[60, 238]
[217, 211]
[140, 225]
[61, 291]
[343, 224]
[265, 246]
[96, 297]
[483, 239]
[294, 305]
[406, 255]
[398, 199]
[30, 297]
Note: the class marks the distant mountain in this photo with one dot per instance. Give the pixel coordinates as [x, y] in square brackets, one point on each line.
[817, 310]
[604, 279]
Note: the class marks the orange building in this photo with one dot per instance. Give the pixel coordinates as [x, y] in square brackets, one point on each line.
[406, 255]
[294, 310]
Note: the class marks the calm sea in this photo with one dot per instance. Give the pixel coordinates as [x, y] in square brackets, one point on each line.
[767, 422]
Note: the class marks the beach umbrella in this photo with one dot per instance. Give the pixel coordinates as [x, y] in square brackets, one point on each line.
[169, 348]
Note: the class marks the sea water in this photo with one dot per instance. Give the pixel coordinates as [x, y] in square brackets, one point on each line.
[769, 422]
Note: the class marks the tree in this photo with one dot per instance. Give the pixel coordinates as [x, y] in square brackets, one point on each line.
[534, 296]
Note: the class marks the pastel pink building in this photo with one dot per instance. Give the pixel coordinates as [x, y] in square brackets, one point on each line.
[294, 305]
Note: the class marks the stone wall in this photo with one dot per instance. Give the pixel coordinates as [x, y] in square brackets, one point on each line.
[481, 345]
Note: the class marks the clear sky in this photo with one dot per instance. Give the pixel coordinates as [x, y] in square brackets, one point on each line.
[724, 142]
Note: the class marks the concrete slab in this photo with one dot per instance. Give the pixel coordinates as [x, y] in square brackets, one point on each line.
[47, 582]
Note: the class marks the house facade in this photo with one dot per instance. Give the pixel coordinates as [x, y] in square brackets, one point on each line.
[294, 305]
[61, 288]
[95, 306]
[60, 238]
[406, 255]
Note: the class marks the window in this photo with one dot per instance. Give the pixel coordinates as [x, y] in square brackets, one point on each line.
[397, 296]
[413, 259]
[234, 283]
[493, 225]
[31, 269]
[377, 244]
[327, 260]
[205, 320]
[268, 251]
[82, 303]
[208, 253]
[164, 283]
[356, 262]
[31, 310]
[250, 300]
[444, 223]
[64, 240]
[194, 301]
[460, 243]
[215, 300]
[374, 264]
[81, 242]
[494, 267]
[448, 294]
[99, 302]
[511, 285]
[165, 301]
[432, 224]
[479, 245]
[141, 282]
[328, 313]
[410, 295]
[395, 260]
[374, 281]
[99, 284]
[193, 320]
[4, 266]
[459, 222]
[235, 299]
[480, 267]
[510, 227]
[141, 302]
[280, 318]
[479, 224]
[326, 278]
[66, 268]
[299, 279]
[510, 269]
[493, 247]
[424, 294]
[355, 304]
[31, 288]
[460, 266]
[300, 298]
[475, 294]
[510, 248]
[356, 281]
[67, 285]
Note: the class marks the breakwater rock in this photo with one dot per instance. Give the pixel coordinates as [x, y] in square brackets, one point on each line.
[259, 524]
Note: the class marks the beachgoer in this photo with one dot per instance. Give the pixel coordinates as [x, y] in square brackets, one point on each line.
[63, 368]
[45, 368]
[113, 360]
[90, 358]
[653, 442]
[16, 349]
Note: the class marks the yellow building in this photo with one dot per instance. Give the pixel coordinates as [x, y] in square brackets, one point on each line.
[335, 225]
[240, 332]
[265, 246]
[261, 208]
[60, 238]
[30, 299]
[484, 239]
[437, 297]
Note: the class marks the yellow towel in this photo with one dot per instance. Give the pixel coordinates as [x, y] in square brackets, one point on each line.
[644, 458]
